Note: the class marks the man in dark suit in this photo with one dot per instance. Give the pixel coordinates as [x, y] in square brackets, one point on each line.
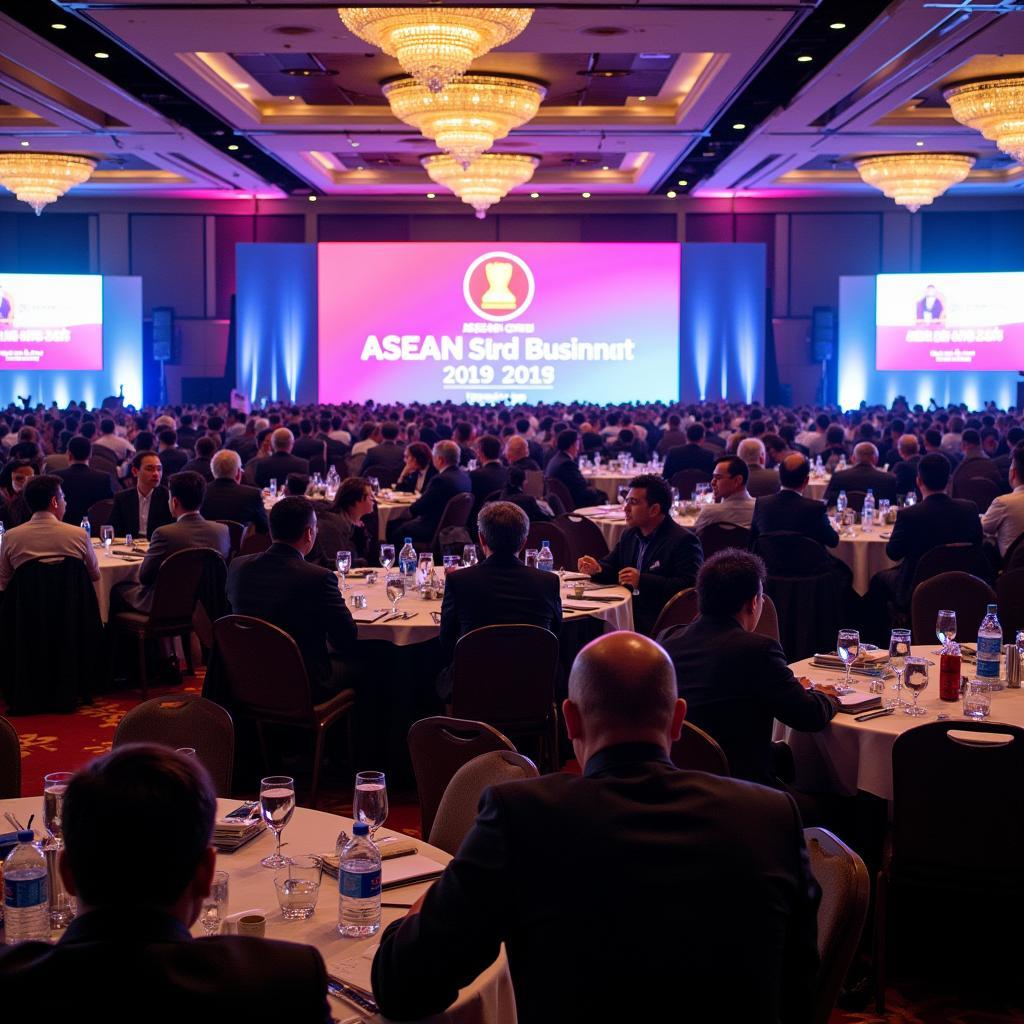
[301, 598]
[975, 464]
[672, 438]
[534, 450]
[172, 457]
[656, 557]
[790, 510]
[187, 434]
[696, 848]
[280, 462]
[205, 447]
[82, 486]
[760, 481]
[427, 510]
[386, 460]
[863, 475]
[905, 467]
[131, 935]
[517, 455]
[929, 307]
[307, 446]
[145, 507]
[490, 475]
[736, 682]
[228, 498]
[562, 467]
[692, 455]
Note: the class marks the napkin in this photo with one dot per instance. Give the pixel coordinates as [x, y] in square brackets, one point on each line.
[389, 846]
[368, 614]
[580, 606]
[854, 703]
[354, 970]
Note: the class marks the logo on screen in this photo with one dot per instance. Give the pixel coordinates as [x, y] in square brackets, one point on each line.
[498, 286]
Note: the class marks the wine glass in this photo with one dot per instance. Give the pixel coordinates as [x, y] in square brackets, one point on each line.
[394, 588]
[55, 785]
[343, 560]
[215, 903]
[277, 801]
[899, 649]
[370, 800]
[107, 536]
[848, 647]
[915, 679]
[945, 626]
[387, 555]
[469, 554]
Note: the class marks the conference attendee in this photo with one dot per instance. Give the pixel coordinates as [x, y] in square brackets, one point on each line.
[563, 468]
[129, 948]
[1003, 521]
[933, 443]
[296, 485]
[736, 682]
[655, 556]
[789, 510]
[417, 469]
[776, 449]
[761, 481]
[814, 439]
[425, 513]
[14, 475]
[517, 455]
[534, 450]
[82, 486]
[953, 437]
[835, 450]
[975, 464]
[307, 446]
[187, 433]
[863, 475]
[172, 458]
[692, 455]
[929, 307]
[109, 438]
[146, 506]
[514, 492]
[45, 534]
[341, 527]
[1002, 462]
[727, 934]
[905, 468]
[27, 447]
[226, 497]
[369, 437]
[278, 464]
[462, 435]
[672, 437]
[281, 587]
[386, 460]
[337, 431]
[205, 448]
[733, 503]
[627, 443]
[490, 475]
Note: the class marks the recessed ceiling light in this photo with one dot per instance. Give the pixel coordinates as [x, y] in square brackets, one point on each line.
[641, 99]
[353, 143]
[671, 195]
[535, 195]
[431, 195]
[24, 143]
[838, 25]
[312, 199]
[586, 195]
[291, 97]
[241, 85]
[919, 143]
[739, 126]
[683, 183]
[101, 55]
[233, 147]
[606, 168]
[804, 59]
[59, 26]
[360, 167]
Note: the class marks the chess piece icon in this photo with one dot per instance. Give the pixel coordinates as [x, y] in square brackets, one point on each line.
[498, 294]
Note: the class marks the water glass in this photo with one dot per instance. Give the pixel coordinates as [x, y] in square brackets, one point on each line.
[186, 751]
[387, 555]
[273, 488]
[469, 554]
[977, 699]
[374, 484]
[424, 567]
[530, 557]
[343, 560]
[370, 800]
[107, 536]
[298, 886]
[899, 650]
[277, 802]
[621, 493]
[394, 588]
[915, 679]
[848, 647]
[215, 904]
[945, 626]
[451, 562]
[55, 785]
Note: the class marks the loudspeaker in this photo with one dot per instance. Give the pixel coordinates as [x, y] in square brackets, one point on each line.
[163, 334]
[823, 333]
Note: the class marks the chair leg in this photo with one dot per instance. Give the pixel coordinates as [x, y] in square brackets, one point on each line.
[318, 750]
[143, 677]
[881, 908]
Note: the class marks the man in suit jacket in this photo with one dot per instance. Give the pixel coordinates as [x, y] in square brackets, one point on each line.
[228, 498]
[656, 556]
[672, 438]
[490, 475]
[863, 475]
[427, 510]
[534, 450]
[172, 457]
[790, 510]
[205, 447]
[386, 460]
[929, 307]
[736, 682]
[301, 598]
[562, 467]
[307, 446]
[145, 507]
[760, 481]
[733, 503]
[82, 486]
[692, 455]
[517, 455]
[695, 847]
[280, 462]
[975, 464]
[1003, 520]
[905, 466]
[131, 935]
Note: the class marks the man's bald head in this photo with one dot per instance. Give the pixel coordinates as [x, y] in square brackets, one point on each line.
[794, 470]
[516, 448]
[865, 454]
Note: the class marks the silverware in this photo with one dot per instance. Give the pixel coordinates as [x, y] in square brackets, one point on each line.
[880, 713]
[337, 987]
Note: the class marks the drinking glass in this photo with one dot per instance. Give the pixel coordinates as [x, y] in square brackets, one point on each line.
[915, 679]
[186, 751]
[841, 502]
[945, 626]
[530, 557]
[424, 567]
[450, 562]
[899, 649]
[394, 588]
[273, 488]
[343, 560]
[370, 800]
[469, 554]
[107, 536]
[621, 493]
[387, 555]
[848, 647]
[977, 699]
[55, 785]
[215, 903]
[277, 801]
[298, 886]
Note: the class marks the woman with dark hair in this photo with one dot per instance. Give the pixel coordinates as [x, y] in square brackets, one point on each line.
[341, 527]
[513, 492]
[418, 469]
[13, 477]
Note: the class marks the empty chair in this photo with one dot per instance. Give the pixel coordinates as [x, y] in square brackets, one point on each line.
[965, 594]
[685, 481]
[550, 532]
[455, 517]
[99, 514]
[556, 489]
[978, 489]
[185, 721]
[457, 810]
[768, 623]
[719, 536]
[1010, 598]
[583, 536]
[253, 543]
[10, 761]
[959, 557]
[697, 751]
[680, 610]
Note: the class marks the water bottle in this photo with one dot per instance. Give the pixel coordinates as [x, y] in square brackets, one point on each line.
[545, 560]
[841, 503]
[359, 885]
[867, 513]
[86, 525]
[407, 559]
[990, 643]
[26, 892]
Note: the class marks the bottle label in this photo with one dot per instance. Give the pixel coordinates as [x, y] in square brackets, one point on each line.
[359, 885]
[25, 892]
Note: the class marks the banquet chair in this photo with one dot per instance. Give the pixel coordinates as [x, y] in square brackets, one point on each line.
[99, 514]
[845, 893]
[10, 761]
[768, 623]
[957, 823]
[556, 489]
[533, 483]
[255, 659]
[355, 464]
[235, 531]
[978, 489]
[855, 500]
[583, 536]
[185, 721]
[1014, 557]
[454, 517]
[438, 748]
[253, 543]
[556, 539]
[685, 481]
[965, 594]
[698, 751]
[961, 556]
[680, 610]
[457, 810]
[1010, 598]
[504, 675]
[717, 537]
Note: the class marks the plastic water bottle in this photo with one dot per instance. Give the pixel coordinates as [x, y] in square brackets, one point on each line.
[545, 560]
[867, 513]
[841, 502]
[407, 559]
[359, 885]
[86, 525]
[26, 892]
[990, 643]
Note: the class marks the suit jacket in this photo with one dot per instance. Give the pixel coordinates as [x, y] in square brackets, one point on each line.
[224, 499]
[200, 466]
[160, 973]
[385, 461]
[905, 472]
[174, 460]
[861, 478]
[716, 864]
[669, 440]
[563, 468]
[301, 598]
[762, 482]
[408, 485]
[276, 467]
[670, 563]
[935, 313]
[309, 448]
[83, 487]
[485, 481]
[427, 510]
[688, 456]
[789, 510]
[735, 685]
[125, 515]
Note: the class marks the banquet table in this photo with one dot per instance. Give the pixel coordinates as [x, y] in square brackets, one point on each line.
[488, 1000]
[113, 570]
[611, 520]
[608, 480]
[847, 756]
[389, 506]
[817, 485]
[865, 554]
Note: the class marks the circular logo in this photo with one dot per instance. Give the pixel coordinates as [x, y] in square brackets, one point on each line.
[498, 286]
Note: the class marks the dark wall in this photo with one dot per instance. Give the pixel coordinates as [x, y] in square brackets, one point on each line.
[46, 244]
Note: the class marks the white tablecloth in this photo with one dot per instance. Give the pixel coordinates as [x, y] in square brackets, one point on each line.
[865, 554]
[113, 570]
[611, 521]
[817, 486]
[386, 510]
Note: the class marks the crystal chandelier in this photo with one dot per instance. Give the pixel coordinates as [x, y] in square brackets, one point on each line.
[436, 44]
[41, 178]
[471, 114]
[914, 179]
[994, 107]
[486, 181]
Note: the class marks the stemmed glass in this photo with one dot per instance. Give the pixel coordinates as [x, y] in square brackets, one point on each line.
[343, 560]
[394, 588]
[55, 785]
[469, 554]
[370, 800]
[387, 555]
[848, 647]
[622, 493]
[945, 626]
[899, 649]
[277, 801]
[107, 536]
[215, 903]
[915, 679]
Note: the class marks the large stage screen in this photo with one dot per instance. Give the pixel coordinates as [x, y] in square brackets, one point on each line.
[489, 323]
[51, 322]
[949, 322]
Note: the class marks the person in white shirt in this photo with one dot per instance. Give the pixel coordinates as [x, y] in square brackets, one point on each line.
[108, 439]
[732, 502]
[369, 437]
[1004, 519]
[45, 535]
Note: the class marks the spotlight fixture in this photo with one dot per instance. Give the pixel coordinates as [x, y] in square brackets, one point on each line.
[671, 194]
[233, 147]
[100, 55]
[535, 195]
[25, 142]
[312, 199]
[804, 59]
[586, 195]
[837, 26]
[431, 195]
[683, 183]
[59, 26]
[739, 126]
[919, 143]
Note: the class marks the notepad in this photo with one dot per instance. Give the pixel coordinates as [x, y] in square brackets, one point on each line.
[367, 615]
[399, 871]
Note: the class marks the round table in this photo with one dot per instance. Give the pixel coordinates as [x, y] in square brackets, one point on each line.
[611, 521]
[817, 486]
[487, 1000]
[865, 554]
[115, 569]
[388, 508]
[847, 755]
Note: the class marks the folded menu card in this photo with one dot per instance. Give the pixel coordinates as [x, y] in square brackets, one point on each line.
[854, 703]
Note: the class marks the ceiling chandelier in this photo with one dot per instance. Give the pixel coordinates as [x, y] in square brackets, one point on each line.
[41, 178]
[914, 179]
[994, 107]
[471, 114]
[486, 181]
[436, 44]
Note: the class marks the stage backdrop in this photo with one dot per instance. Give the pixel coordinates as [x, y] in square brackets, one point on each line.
[519, 322]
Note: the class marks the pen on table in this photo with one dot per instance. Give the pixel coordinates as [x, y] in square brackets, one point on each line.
[31, 818]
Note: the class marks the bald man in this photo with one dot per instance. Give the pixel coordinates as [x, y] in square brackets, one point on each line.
[790, 510]
[632, 881]
[863, 475]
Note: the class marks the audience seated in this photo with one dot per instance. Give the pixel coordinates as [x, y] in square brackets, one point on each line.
[146, 507]
[13, 477]
[517, 454]
[513, 492]
[761, 481]
[863, 475]
[692, 455]
[82, 486]
[341, 527]
[1004, 519]
[790, 510]
[205, 448]
[563, 468]
[417, 469]
[172, 458]
[908, 455]
[278, 464]
[386, 460]
[226, 497]
[975, 464]
[108, 438]
[427, 510]
[733, 503]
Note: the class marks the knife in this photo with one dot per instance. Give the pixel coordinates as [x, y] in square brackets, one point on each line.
[879, 713]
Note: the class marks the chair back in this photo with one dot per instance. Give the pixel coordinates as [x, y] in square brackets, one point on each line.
[1014, 557]
[10, 761]
[438, 748]
[253, 543]
[555, 538]
[787, 553]
[457, 810]
[185, 721]
[697, 751]
[99, 513]
[583, 536]
[355, 463]
[685, 481]
[235, 532]
[680, 610]
[845, 892]
[768, 623]
[809, 612]
[965, 594]
[959, 557]
[178, 583]
[1010, 598]
[533, 483]
[978, 489]
[456, 513]
[555, 488]
[717, 537]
